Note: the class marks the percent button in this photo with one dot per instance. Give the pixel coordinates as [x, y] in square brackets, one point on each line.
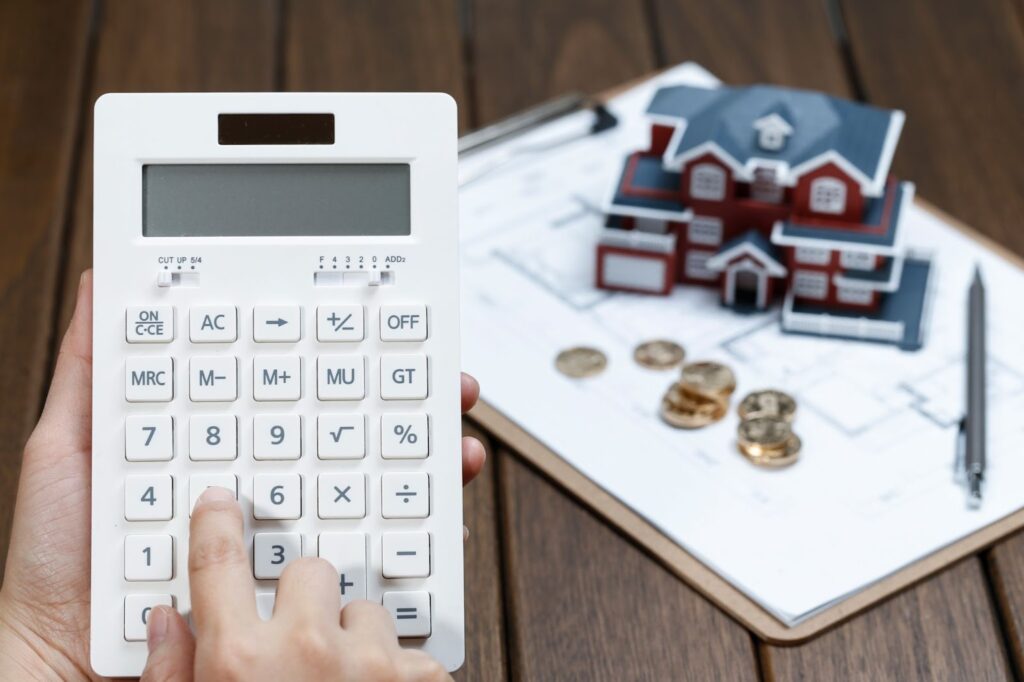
[404, 436]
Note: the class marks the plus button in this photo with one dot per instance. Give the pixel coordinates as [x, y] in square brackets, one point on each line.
[343, 583]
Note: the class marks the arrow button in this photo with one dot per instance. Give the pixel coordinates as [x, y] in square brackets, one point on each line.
[276, 324]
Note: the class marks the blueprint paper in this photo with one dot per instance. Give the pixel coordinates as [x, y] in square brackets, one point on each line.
[874, 488]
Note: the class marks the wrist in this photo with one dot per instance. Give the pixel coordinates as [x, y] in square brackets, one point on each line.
[26, 655]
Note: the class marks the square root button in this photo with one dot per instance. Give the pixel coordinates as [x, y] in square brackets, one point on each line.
[410, 611]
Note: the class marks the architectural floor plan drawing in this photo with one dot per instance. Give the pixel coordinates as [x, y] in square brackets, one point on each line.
[875, 479]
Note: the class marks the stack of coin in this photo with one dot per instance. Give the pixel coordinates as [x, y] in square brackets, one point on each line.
[700, 396]
[765, 434]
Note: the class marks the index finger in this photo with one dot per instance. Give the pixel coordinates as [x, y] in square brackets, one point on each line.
[220, 580]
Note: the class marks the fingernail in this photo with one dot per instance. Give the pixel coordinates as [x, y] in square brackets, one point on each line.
[156, 627]
[465, 533]
[215, 494]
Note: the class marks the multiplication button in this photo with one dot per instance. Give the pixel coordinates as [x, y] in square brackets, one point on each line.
[403, 323]
[149, 324]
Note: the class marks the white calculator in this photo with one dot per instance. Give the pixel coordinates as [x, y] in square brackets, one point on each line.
[276, 312]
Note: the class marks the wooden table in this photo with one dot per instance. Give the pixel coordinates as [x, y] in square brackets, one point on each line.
[553, 593]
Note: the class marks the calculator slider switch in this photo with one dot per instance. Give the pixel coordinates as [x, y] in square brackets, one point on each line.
[177, 279]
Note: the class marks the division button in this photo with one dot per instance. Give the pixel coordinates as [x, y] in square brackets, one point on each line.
[405, 495]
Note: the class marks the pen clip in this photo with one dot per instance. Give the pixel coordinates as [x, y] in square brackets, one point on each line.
[960, 457]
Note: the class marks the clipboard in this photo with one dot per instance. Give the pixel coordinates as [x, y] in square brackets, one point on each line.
[676, 559]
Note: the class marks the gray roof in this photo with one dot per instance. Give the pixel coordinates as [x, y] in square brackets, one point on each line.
[821, 123]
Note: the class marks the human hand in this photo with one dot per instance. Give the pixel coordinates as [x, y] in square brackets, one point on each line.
[44, 602]
[305, 639]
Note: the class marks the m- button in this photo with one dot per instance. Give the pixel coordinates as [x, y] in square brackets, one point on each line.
[403, 323]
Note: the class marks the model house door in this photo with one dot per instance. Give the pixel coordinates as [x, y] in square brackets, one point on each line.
[745, 293]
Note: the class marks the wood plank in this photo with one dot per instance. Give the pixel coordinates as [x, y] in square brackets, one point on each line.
[792, 45]
[381, 46]
[486, 657]
[585, 604]
[581, 601]
[1005, 564]
[944, 629]
[43, 61]
[352, 46]
[957, 69]
[156, 46]
[526, 52]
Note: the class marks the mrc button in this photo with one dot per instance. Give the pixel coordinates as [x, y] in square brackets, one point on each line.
[403, 323]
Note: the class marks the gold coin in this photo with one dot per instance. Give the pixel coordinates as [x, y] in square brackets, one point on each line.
[762, 435]
[580, 362]
[767, 403]
[659, 354]
[686, 408]
[775, 458]
[710, 377]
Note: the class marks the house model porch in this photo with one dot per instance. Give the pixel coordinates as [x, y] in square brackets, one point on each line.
[770, 193]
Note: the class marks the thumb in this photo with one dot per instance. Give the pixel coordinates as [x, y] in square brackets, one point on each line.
[171, 647]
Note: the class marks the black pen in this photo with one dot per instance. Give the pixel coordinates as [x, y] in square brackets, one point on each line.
[974, 436]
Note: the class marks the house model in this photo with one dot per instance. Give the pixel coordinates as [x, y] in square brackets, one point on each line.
[770, 193]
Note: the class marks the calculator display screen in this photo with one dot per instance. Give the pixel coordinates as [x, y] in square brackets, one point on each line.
[275, 200]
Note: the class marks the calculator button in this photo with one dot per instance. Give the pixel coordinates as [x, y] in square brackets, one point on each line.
[149, 438]
[341, 496]
[340, 377]
[347, 553]
[276, 496]
[276, 377]
[136, 613]
[339, 323]
[403, 323]
[148, 557]
[340, 436]
[403, 377]
[265, 604]
[405, 496]
[213, 437]
[404, 436]
[213, 324]
[406, 555]
[148, 498]
[149, 380]
[277, 436]
[410, 611]
[149, 324]
[276, 323]
[200, 482]
[272, 552]
[213, 379]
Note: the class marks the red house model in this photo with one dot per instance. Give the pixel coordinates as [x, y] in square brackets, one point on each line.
[767, 192]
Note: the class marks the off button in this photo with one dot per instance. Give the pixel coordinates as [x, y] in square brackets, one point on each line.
[403, 323]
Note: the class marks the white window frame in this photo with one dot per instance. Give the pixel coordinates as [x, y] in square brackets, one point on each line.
[705, 230]
[857, 260]
[812, 255]
[707, 181]
[654, 225]
[770, 139]
[810, 284]
[854, 295]
[828, 195]
[696, 265]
